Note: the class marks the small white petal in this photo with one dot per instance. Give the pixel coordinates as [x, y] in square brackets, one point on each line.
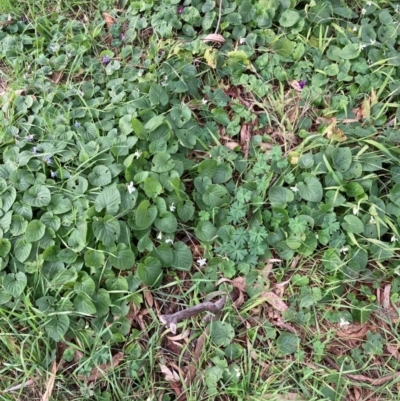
[355, 29]
[363, 11]
[393, 239]
[242, 40]
[372, 220]
[137, 154]
[131, 188]
[343, 322]
[344, 250]
[169, 241]
[355, 210]
[294, 189]
[204, 101]
[172, 207]
[202, 262]
[159, 235]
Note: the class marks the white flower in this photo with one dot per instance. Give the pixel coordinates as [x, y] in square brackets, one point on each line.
[172, 207]
[131, 188]
[369, 3]
[237, 370]
[294, 189]
[355, 210]
[355, 28]
[393, 239]
[54, 48]
[169, 241]
[202, 262]
[316, 236]
[343, 322]
[344, 250]
[372, 41]
[372, 220]
[242, 40]
[362, 46]
[140, 73]
[137, 154]
[363, 11]
[204, 101]
[164, 83]
[159, 235]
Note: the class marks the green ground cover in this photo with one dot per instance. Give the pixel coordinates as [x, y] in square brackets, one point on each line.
[162, 159]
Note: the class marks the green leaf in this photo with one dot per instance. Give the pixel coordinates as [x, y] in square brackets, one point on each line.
[59, 204]
[162, 162]
[34, 231]
[287, 343]
[289, 18]
[108, 199]
[57, 327]
[154, 123]
[350, 52]
[221, 333]
[205, 231]
[215, 195]
[85, 284]
[342, 158]
[150, 271]
[83, 304]
[158, 95]
[166, 222]
[5, 247]
[182, 257]
[94, 258]
[180, 115]
[102, 302]
[311, 190]
[353, 224]
[106, 229]
[185, 210]
[15, 283]
[279, 196]
[37, 196]
[100, 176]
[145, 215]
[152, 187]
[8, 198]
[122, 258]
[22, 249]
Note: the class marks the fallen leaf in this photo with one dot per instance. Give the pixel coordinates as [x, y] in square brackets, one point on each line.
[181, 336]
[99, 372]
[354, 331]
[295, 85]
[50, 384]
[148, 297]
[109, 20]
[56, 76]
[170, 375]
[394, 351]
[275, 301]
[214, 37]
[386, 297]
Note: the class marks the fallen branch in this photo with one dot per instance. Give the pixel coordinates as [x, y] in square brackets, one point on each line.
[171, 321]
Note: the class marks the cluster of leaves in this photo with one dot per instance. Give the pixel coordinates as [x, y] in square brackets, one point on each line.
[111, 159]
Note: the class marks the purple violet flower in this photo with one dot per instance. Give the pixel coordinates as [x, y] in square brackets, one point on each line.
[53, 174]
[34, 150]
[302, 84]
[122, 37]
[48, 160]
[180, 9]
[29, 138]
[105, 59]
[77, 124]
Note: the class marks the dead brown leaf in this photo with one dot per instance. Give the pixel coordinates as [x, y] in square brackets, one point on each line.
[214, 37]
[56, 76]
[275, 301]
[50, 384]
[99, 372]
[245, 136]
[393, 350]
[148, 297]
[110, 21]
[181, 336]
[353, 331]
[169, 374]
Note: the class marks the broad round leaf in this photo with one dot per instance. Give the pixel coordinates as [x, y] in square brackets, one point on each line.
[106, 230]
[100, 176]
[108, 199]
[311, 189]
[15, 283]
[279, 196]
[83, 304]
[353, 224]
[205, 231]
[166, 223]
[37, 196]
[5, 247]
[34, 231]
[122, 258]
[94, 258]
[289, 18]
[22, 249]
[342, 159]
[57, 326]
[221, 333]
[287, 343]
[182, 257]
[150, 271]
